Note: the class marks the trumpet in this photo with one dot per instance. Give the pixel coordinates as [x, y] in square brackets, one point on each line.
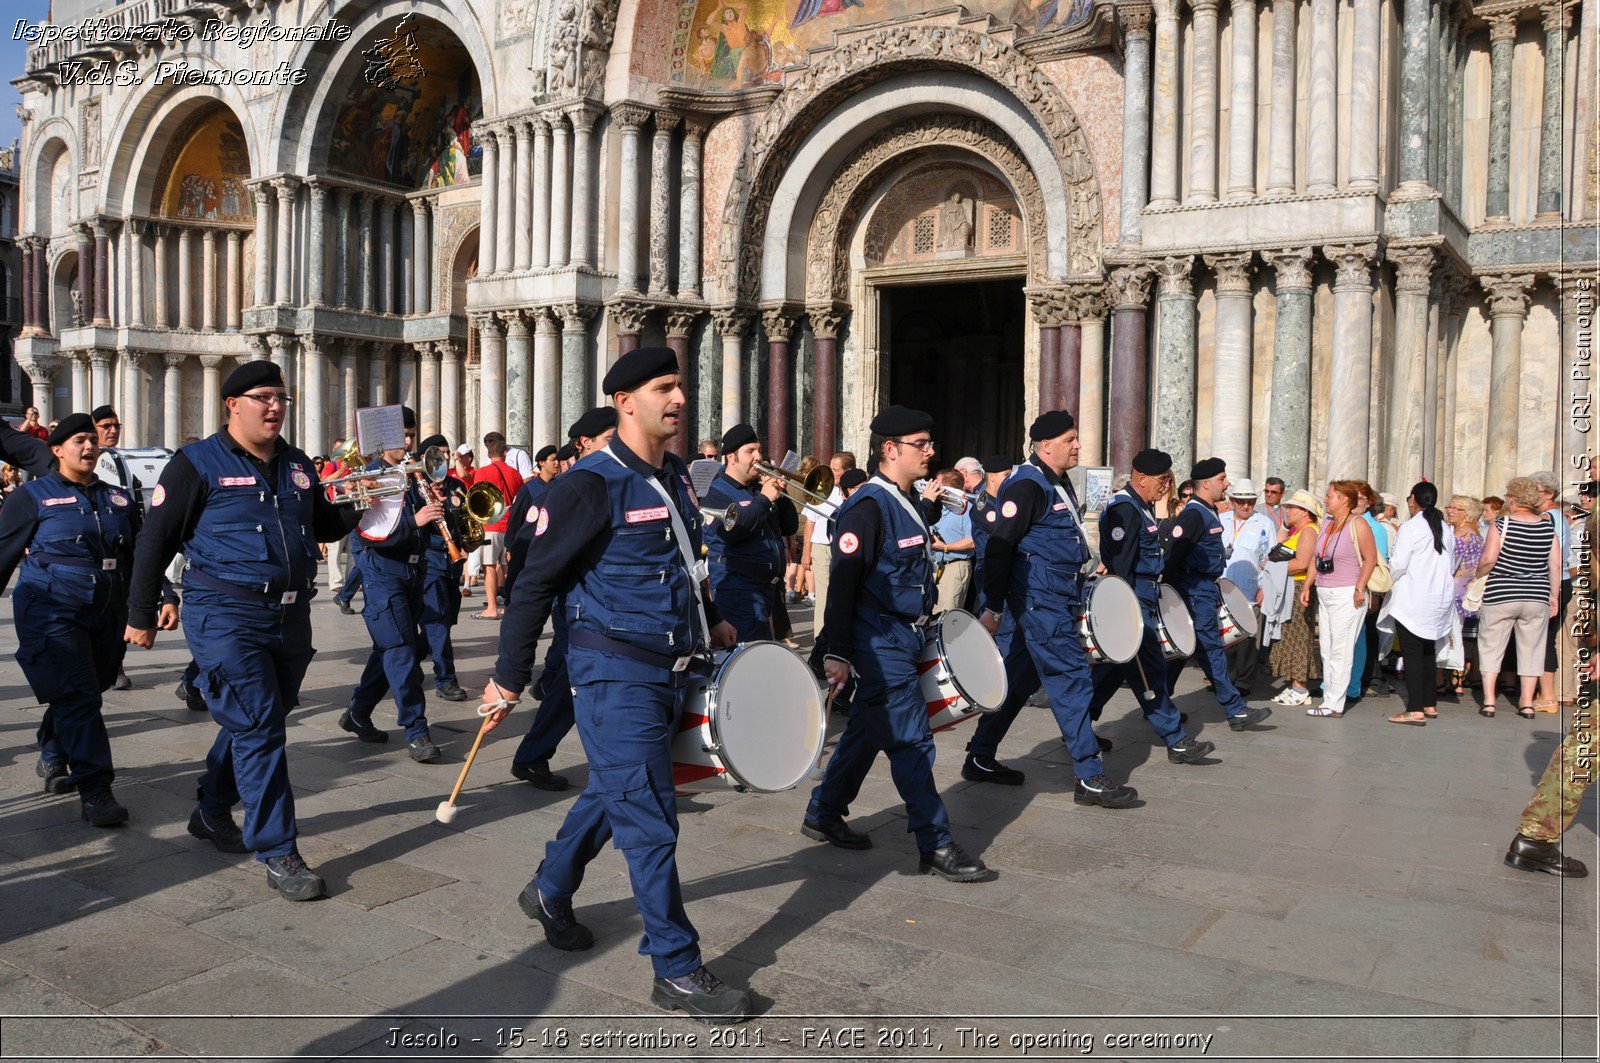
[725, 517]
[815, 486]
[953, 499]
[361, 489]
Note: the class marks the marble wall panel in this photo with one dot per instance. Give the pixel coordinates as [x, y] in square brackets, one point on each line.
[648, 51]
[1475, 130]
[1266, 322]
[1321, 375]
[1527, 115]
[1538, 420]
[1092, 87]
[1471, 431]
[1205, 368]
[724, 145]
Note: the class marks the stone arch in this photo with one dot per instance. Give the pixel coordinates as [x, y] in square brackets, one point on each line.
[840, 78]
[63, 274]
[55, 141]
[461, 265]
[147, 128]
[852, 185]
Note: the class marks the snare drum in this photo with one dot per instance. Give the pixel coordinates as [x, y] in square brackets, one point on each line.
[1111, 624]
[1177, 626]
[963, 672]
[1237, 616]
[757, 723]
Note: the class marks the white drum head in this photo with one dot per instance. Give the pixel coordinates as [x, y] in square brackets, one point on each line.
[974, 662]
[767, 717]
[1176, 619]
[1243, 613]
[1115, 619]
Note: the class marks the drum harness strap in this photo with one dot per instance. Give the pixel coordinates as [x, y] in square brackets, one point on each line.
[1072, 511]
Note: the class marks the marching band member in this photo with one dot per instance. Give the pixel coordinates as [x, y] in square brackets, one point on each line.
[393, 581]
[620, 512]
[880, 599]
[1033, 572]
[525, 510]
[747, 560]
[1130, 547]
[996, 467]
[112, 468]
[244, 507]
[1195, 558]
[441, 585]
[73, 536]
[25, 450]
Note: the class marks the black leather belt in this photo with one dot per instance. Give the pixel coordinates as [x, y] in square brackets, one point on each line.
[275, 594]
[593, 640]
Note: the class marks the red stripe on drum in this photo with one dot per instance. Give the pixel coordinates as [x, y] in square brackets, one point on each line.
[684, 774]
[936, 707]
[924, 667]
[690, 720]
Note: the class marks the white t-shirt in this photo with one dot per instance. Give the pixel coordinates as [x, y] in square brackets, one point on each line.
[519, 460]
[819, 514]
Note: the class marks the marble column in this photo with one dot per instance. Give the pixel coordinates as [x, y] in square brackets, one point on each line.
[731, 325]
[1164, 107]
[262, 191]
[349, 389]
[102, 274]
[41, 374]
[627, 318]
[1414, 131]
[134, 234]
[30, 322]
[366, 276]
[1576, 405]
[132, 397]
[1456, 41]
[1555, 50]
[694, 130]
[429, 414]
[505, 203]
[1232, 368]
[208, 280]
[233, 278]
[172, 401]
[539, 238]
[547, 424]
[314, 435]
[680, 326]
[825, 324]
[163, 319]
[341, 246]
[472, 430]
[86, 271]
[1323, 113]
[1203, 103]
[1242, 102]
[1092, 403]
[488, 192]
[1289, 425]
[450, 392]
[522, 203]
[1407, 381]
[82, 397]
[1497, 196]
[100, 390]
[421, 259]
[519, 378]
[210, 393]
[1135, 19]
[378, 375]
[1582, 197]
[1175, 361]
[186, 292]
[383, 254]
[316, 242]
[629, 118]
[41, 286]
[283, 270]
[1350, 393]
[1435, 78]
[582, 251]
[492, 374]
[1367, 66]
[1129, 372]
[1280, 146]
[406, 377]
[1508, 310]
[577, 389]
[1045, 315]
[560, 209]
[778, 323]
[661, 203]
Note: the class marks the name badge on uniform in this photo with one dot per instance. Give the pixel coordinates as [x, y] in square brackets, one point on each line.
[118, 498]
[108, 565]
[909, 542]
[1216, 531]
[1151, 528]
[289, 597]
[236, 481]
[413, 559]
[1058, 507]
[639, 516]
[60, 501]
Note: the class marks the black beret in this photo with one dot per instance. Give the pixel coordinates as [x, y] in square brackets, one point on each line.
[999, 463]
[567, 453]
[594, 422]
[852, 479]
[547, 450]
[69, 426]
[900, 421]
[252, 375]
[1051, 424]
[1152, 462]
[434, 440]
[638, 366]
[1207, 468]
[409, 416]
[100, 413]
[736, 437]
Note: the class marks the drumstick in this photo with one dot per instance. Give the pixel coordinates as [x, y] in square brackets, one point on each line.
[446, 812]
[1148, 693]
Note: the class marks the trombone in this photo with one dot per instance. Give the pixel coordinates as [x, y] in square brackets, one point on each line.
[814, 487]
[360, 489]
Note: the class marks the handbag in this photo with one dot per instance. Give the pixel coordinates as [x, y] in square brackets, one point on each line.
[1450, 650]
[1380, 582]
[1472, 598]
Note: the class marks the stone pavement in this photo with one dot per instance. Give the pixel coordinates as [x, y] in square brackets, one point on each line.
[1325, 888]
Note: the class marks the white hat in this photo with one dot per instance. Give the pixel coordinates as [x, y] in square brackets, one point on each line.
[1242, 489]
[465, 450]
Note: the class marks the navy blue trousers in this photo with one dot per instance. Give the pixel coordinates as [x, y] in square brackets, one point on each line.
[1146, 676]
[70, 655]
[1204, 599]
[441, 608]
[392, 612]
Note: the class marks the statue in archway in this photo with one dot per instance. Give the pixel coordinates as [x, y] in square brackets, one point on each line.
[956, 223]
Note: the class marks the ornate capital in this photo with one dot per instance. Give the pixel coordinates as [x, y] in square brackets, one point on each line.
[257, 345]
[1354, 262]
[1198, 6]
[1413, 268]
[1130, 285]
[680, 322]
[447, 350]
[1176, 275]
[132, 357]
[1233, 272]
[1084, 300]
[779, 322]
[1556, 16]
[100, 359]
[666, 122]
[583, 116]
[279, 342]
[1508, 293]
[1135, 19]
[695, 127]
[285, 186]
[825, 321]
[628, 315]
[39, 369]
[1503, 26]
[515, 324]
[419, 206]
[630, 117]
[486, 323]
[1578, 294]
[1292, 266]
[174, 361]
[211, 362]
[262, 190]
[730, 321]
[317, 188]
[574, 316]
[545, 322]
[1048, 305]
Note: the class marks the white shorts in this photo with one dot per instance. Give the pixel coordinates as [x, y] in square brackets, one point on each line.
[493, 550]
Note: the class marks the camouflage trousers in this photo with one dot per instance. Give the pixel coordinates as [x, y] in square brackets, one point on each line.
[1561, 788]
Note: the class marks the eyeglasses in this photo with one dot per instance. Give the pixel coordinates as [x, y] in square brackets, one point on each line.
[269, 400]
[110, 426]
[927, 446]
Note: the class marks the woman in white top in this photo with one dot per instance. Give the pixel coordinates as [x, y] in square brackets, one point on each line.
[1421, 605]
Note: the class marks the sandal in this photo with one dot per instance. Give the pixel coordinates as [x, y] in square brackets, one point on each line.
[1405, 718]
[1526, 712]
[1487, 711]
[1434, 715]
[1323, 712]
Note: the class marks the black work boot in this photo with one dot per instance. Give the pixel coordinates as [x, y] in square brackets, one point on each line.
[219, 830]
[561, 926]
[1105, 793]
[1247, 720]
[55, 776]
[979, 768]
[290, 876]
[835, 832]
[540, 776]
[362, 729]
[422, 749]
[452, 691]
[1531, 854]
[102, 810]
[954, 863]
[701, 995]
[1187, 751]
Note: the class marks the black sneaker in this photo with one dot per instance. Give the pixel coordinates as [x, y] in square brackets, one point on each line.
[344, 607]
[835, 832]
[122, 682]
[191, 698]
[219, 830]
[1188, 751]
[539, 774]
[954, 863]
[701, 995]
[102, 810]
[290, 876]
[54, 773]
[986, 769]
[422, 749]
[452, 691]
[362, 729]
[561, 926]
[1105, 793]
[1104, 743]
[1246, 721]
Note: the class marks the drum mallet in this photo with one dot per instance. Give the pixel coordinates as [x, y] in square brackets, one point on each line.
[446, 812]
[1148, 693]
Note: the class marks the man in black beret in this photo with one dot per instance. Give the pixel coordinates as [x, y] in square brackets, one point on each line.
[1033, 596]
[881, 596]
[620, 511]
[747, 557]
[250, 593]
[996, 469]
[593, 430]
[113, 468]
[1196, 557]
[441, 579]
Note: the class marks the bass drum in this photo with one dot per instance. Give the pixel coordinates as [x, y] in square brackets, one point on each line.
[1112, 625]
[757, 723]
[963, 672]
[1177, 626]
[1237, 616]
